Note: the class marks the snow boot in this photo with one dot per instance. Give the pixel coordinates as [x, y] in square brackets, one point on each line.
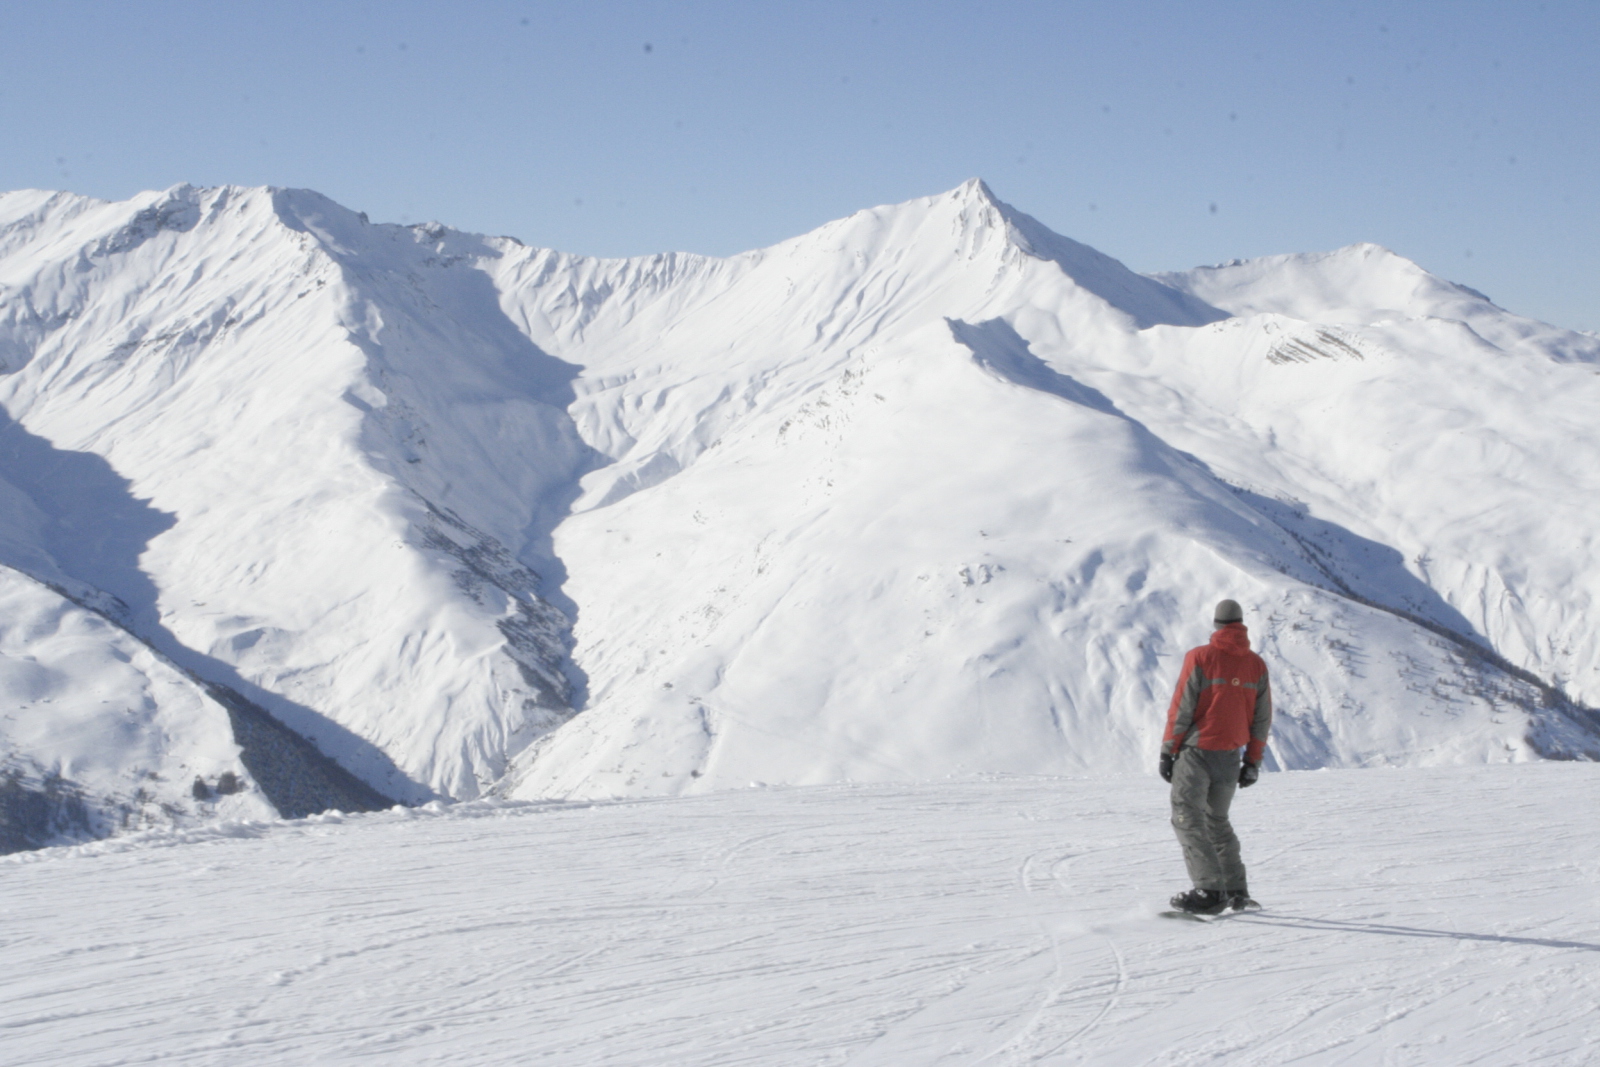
[1239, 900]
[1202, 901]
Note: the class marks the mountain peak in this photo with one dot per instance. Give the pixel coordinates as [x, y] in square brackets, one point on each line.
[1147, 301]
[1357, 284]
[976, 189]
[986, 234]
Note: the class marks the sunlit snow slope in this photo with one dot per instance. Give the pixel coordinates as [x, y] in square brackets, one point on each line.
[98, 734]
[929, 491]
[204, 364]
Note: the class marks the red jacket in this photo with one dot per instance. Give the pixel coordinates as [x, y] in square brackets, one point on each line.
[1223, 697]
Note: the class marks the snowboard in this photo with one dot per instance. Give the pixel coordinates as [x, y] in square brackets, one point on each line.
[1195, 916]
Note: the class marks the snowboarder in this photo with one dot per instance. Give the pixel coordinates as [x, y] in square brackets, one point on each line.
[1222, 703]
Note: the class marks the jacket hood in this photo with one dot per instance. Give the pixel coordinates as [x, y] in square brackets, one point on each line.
[1234, 638]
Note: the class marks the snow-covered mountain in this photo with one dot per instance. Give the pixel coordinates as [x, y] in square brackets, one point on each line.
[929, 491]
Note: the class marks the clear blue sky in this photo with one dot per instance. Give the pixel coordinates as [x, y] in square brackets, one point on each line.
[1465, 135]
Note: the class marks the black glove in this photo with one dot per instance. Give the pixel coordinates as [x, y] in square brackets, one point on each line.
[1166, 767]
[1248, 774]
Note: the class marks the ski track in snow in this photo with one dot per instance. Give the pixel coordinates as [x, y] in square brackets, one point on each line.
[1415, 916]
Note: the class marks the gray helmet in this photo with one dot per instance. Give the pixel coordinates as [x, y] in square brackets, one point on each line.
[1227, 611]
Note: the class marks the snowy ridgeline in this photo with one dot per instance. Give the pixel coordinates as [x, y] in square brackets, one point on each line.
[361, 513]
[1436, 916]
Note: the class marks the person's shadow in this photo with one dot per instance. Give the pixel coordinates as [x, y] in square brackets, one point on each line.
[1301, 922]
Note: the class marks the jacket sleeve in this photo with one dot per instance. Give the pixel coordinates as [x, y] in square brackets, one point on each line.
[1180, 716]
[1262, 723]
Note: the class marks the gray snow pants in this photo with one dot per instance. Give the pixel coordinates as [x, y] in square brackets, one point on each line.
[1203, 784]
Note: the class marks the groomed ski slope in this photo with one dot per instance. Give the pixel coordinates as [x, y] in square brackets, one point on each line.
[1441, 915]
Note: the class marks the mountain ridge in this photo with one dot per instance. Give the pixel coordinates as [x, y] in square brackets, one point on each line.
[482, 517]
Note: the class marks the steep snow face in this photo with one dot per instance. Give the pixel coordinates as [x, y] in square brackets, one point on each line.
[905, 589]
[305, 462]
[928, 491]
[677, 350]
[99, 734]
[945, 529]
[1439, 460]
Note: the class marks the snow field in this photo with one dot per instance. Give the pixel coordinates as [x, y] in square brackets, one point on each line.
[1415, 916]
